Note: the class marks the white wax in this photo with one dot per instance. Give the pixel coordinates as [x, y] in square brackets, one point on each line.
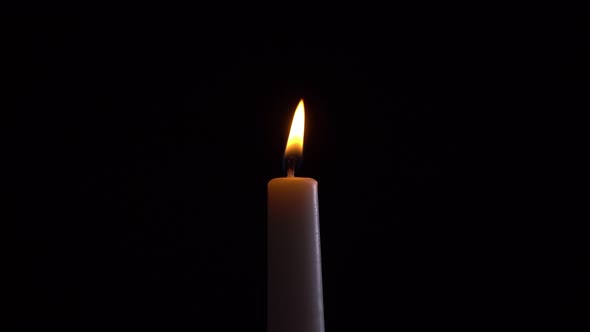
[295, 301]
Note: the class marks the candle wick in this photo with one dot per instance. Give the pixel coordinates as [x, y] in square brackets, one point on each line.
[291, 163]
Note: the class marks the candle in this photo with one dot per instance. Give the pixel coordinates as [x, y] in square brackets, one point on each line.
[295, 302]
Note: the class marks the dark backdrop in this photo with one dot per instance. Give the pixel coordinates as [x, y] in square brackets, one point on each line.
[139, 152]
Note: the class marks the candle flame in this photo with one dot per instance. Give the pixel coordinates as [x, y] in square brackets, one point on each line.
[295, 141]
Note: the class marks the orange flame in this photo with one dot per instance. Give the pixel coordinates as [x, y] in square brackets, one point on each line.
[295, 141]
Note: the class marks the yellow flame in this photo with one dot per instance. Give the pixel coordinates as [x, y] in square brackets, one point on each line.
[295, 141]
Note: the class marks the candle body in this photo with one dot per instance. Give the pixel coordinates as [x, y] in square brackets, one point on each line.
[295, 300]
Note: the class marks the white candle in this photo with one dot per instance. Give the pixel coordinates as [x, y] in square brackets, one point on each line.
[295, 301]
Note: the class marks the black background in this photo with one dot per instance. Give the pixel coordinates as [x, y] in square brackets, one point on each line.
[139, 152]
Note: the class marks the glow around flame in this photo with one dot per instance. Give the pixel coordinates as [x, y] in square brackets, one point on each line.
[295, 141]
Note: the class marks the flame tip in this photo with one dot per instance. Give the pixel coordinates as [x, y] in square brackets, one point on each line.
[295, 141]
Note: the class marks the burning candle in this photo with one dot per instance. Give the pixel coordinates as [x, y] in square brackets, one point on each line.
[295, 301]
